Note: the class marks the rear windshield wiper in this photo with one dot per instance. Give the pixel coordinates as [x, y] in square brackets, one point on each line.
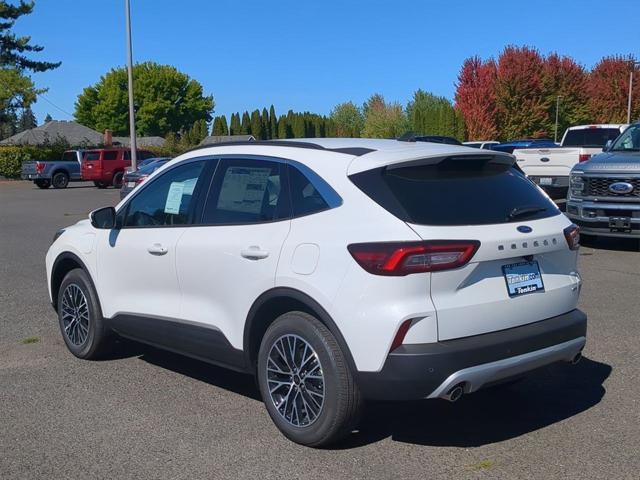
[524, 211]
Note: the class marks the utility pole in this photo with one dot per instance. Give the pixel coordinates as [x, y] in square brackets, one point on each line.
[633, 64]
[555, 135]
[132, 120]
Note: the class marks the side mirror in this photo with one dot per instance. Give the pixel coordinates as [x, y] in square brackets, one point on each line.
[607, 146]
[104, 218]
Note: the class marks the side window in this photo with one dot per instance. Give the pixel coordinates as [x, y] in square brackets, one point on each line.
[110, 155]
[305, 198]
[246, 191]
[167, 200]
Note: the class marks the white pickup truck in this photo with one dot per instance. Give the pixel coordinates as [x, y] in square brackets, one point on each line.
[550, 167]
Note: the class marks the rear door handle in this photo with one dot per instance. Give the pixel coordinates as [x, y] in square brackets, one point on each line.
[254, 253]
[157, 249]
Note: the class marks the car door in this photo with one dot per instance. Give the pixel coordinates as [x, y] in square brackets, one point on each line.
[136, 263]
[231, 258]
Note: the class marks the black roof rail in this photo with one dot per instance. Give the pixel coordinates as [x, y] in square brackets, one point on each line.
[357, 151]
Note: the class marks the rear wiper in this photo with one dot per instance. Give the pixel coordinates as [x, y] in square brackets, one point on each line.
[524, 211]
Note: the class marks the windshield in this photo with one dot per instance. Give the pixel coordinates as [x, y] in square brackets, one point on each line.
[629, 141]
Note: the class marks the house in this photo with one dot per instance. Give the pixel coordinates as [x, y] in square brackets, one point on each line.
[213, 139]
[140, 141]
[54, 131]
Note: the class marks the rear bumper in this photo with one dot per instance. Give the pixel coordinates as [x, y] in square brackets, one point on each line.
[35, 176]
[431, 370]
[552, 181]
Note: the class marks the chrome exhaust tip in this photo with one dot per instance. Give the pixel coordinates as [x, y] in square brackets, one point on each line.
[455, 393]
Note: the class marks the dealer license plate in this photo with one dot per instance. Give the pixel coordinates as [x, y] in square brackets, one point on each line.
[546, 181]
[131, 184]
[523, 278]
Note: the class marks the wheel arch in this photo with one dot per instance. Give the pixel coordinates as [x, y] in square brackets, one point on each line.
[60, 170]
[63, 264]
[275, 302]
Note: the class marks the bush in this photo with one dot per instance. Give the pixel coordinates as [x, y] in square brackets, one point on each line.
[11, 157]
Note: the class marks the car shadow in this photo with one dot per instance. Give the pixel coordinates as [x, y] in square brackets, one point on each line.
[496, 414]
[547, 396]
[610, 243]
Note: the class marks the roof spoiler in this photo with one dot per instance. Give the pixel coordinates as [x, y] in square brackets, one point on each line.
[498, 159]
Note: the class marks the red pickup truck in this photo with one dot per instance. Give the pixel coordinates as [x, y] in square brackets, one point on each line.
[106, 166]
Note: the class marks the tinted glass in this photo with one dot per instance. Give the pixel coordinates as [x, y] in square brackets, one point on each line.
[629, 140]
[110, 155]
[92, 156]
[456, 192]
[69, 157]
[305, 198]
[167, 200]
[590, 137]
[151, 167]
[473, 145]
[246, 191]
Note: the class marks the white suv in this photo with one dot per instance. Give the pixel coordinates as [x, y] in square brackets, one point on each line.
[335, 270]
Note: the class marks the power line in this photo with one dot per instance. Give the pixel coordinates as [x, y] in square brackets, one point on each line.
[54, 105]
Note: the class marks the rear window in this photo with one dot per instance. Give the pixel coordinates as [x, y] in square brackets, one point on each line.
[590, 137]
[110, 155]
[92, 156]
[456, 192]
[69, 157]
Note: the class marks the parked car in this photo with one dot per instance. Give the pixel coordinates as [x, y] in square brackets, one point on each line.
[484, 144]
[512, 145]
[604, 193]
[58, 173]
[106, 166]
[133, 179]
[550, 168]
[335, 270]
[144, 162]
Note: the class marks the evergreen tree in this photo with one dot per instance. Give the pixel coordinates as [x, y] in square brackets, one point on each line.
[48, 118]
[382, 119]
[348, 120]
[235, 127]
[245, 128]
[283, 127]
[273, 120]
[433, 115]
[223, 125]
[266, 125]
[27, 120]
[256, 125]
[219, 126]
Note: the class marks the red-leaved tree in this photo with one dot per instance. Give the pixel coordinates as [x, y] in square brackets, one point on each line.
[476, 99]
[522, 109]
[608, 90]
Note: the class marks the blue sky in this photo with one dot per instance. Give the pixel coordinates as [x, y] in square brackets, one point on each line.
[305, 55]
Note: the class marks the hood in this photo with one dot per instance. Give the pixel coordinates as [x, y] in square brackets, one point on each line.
[611, 162]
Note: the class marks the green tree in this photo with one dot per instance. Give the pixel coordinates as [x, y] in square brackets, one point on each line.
[382, 119]
[48, 118]
[256, 125]
[347, 119]
[219, 128]
[166, 100]
[245, 128]
[224, 126]
[13, 49]
[433, 115]
[284, 130]
[273, 120]
[17, 92]
[27, 120]
[235, 128]
[266, 124]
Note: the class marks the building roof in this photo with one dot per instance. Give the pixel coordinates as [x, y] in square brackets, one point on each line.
[71, 132]
[140, 141]
[214, 139]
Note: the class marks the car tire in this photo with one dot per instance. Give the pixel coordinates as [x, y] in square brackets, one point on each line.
[44, 184]
[326, 402]
[117, 180]
[80, 317]
[101, 184]
[60, 180]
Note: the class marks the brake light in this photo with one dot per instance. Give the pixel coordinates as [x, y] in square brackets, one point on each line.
[583, 157]
[403, 258]
[140, 180]
[39, 167]
[572, 234]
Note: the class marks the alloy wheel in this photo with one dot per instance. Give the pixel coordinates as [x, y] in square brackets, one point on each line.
[295, 380]
[75, 314]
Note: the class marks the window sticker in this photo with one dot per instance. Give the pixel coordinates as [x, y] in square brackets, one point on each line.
[174, 198]
[243, 189]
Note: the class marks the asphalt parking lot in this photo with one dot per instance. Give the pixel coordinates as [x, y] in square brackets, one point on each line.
[148, 414]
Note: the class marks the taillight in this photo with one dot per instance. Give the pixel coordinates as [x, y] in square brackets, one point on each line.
[572, 234]
[583, 157]
[140, 180]
[39, 167]
[404, 258]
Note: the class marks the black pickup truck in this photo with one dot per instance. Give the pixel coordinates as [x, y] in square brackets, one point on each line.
[58, 173]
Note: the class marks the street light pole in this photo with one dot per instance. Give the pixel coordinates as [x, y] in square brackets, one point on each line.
[132, 120]
[555, 135]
